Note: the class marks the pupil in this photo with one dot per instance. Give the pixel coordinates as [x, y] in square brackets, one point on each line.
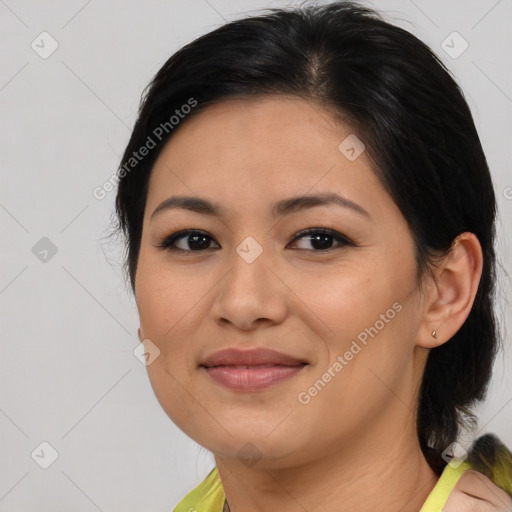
[194, 239]
[315, 238]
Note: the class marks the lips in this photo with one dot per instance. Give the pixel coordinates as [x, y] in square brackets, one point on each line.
[254, 357]
[251, 370]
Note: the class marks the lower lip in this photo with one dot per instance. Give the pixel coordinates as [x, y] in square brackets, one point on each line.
[252, 378]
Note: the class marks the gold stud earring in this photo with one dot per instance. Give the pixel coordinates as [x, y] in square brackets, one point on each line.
[434, 334]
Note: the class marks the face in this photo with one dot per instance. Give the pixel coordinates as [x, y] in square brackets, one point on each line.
[341, 300]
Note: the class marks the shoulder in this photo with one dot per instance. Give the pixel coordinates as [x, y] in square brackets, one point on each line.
[487, 485]
[479, 482]
[475, 492]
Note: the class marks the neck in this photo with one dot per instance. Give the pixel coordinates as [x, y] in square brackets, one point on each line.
[385, 473]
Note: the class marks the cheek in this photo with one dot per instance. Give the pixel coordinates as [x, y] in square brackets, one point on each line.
[177, 398]
[165, 304]
[352, 300]
[167, 298]
[367, 309]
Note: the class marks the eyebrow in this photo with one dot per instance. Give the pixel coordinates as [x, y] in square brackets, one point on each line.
[279, 209]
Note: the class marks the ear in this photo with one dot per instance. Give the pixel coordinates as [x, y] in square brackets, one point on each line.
[139, 334]
[451, 291]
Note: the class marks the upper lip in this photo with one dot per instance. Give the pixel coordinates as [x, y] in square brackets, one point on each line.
[251, 357]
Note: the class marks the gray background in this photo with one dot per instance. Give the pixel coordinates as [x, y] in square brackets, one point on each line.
[69, 324]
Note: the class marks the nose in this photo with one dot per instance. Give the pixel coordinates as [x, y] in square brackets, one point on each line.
[250, 294]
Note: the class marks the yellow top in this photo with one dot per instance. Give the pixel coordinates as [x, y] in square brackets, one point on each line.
[209, 495]
[439, 496]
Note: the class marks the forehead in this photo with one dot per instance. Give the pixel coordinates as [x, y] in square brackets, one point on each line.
[262, 123]
[277, 133]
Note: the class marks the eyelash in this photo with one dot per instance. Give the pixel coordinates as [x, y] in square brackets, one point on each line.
[166, 244]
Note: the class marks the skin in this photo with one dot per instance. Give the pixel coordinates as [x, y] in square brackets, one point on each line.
[358, 433]
[474, 492]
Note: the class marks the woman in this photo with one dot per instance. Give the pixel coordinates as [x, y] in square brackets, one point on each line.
[309, 219]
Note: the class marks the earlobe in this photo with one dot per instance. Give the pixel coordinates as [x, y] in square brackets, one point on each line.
[450, 297]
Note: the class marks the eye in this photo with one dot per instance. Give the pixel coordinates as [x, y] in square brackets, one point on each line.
[196, 241]
[321, 239]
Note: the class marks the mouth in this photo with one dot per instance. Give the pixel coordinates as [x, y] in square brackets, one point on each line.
[251, 378]
[251, 370]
